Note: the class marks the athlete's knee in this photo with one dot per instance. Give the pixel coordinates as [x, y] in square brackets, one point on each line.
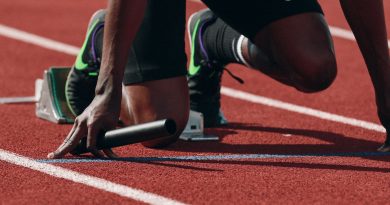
[320, 73]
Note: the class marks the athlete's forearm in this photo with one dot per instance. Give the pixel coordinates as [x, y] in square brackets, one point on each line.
[366, 18]
[122, 22]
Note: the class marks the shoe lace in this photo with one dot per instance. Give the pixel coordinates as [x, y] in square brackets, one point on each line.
[219, 68]
[213, 64]
[235, 77]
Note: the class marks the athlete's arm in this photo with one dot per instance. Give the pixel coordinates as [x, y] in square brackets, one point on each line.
[366, 18]
[122, 22]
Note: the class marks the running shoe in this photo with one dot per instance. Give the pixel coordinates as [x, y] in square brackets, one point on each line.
[82, 78]
[204, 73]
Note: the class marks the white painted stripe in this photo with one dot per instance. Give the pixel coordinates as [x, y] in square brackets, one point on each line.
[37, 40]
[300, 109]
[87, 180]
[12, 100]
[216, 157]
[342, 33]
[346, 34]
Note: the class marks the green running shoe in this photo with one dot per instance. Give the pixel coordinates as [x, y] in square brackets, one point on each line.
[82, 78]
[204, 74]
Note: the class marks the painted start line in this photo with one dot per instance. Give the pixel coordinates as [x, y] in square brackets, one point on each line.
[216, 157]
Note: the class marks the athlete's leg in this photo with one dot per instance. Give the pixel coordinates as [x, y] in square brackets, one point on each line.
[303, 58]
[160, 99]
[293, 48]
[289, 41]
[154, 82]
[369, 28]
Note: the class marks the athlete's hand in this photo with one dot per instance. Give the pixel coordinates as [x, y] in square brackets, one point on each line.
[101, 115]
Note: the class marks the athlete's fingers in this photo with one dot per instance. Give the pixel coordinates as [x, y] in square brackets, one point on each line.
[69, 145]
[70, 134]
[93, 132]
[384, 148]
[92, 136]
[110, 154]
[97, 153]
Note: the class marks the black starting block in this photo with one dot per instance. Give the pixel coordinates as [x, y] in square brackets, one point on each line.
[51, 105]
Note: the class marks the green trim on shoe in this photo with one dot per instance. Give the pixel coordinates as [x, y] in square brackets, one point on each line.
[194, 68]
[79, 64]
[93, 74]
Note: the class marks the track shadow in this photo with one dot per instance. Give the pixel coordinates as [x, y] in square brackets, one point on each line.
[336, 143]
[173, 163]
[302, 165]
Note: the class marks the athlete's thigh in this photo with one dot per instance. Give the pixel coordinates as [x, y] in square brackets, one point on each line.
[248, 17]
[297, 40]
[158, 51]
[293, 35]
[155, 85]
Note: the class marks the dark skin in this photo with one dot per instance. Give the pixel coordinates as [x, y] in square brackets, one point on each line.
[367, 21]
[303, 59]
[312, 68]
[273, 59]
[103, 112]
[137, 103]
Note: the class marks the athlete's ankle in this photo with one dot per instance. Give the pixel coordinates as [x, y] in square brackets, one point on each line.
[223, 43]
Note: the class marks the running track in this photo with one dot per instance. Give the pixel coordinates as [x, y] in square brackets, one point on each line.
[269, 153]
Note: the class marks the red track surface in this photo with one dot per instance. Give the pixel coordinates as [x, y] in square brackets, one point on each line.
[255, 129]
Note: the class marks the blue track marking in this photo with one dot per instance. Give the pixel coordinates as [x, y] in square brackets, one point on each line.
[215, 157]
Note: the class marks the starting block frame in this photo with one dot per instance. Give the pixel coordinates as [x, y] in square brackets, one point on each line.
[50, 93]
[194, 130]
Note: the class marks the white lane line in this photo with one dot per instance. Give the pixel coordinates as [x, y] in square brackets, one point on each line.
[342, 33]
[37, 40]
[300, 109]
[346, 34]
[216, 157]
[13, 100]
[98, 183]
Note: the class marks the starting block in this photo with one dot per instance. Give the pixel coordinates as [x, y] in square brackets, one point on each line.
[51, 105]
[194, 130]
[50, 94]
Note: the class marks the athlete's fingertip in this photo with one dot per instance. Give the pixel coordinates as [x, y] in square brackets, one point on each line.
[51, 155]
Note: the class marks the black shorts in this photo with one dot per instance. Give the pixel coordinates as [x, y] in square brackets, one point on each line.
[248, 17]
[158, 50]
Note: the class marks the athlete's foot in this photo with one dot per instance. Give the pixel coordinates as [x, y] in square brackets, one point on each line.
[82, 78]
[204, 75]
